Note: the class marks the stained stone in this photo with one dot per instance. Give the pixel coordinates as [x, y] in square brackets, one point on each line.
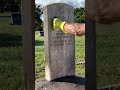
[59, 47]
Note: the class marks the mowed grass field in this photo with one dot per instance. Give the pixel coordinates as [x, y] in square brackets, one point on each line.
[40, 61]
[108, 54]
[11, 66]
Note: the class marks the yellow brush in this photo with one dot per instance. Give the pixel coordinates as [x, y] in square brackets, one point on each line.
[58, 23]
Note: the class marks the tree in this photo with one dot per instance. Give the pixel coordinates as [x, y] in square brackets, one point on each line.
[79, 15]
[10, 5]
[38, 21]
[18, 3]
[2, 3]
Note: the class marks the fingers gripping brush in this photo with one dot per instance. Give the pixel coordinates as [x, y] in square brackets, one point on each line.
[58, 23]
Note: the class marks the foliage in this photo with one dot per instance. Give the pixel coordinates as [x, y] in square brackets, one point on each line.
[38, 21]
[79, 15]
[2, 2]
[10, 5]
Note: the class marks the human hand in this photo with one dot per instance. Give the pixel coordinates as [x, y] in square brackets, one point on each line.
[77, 29]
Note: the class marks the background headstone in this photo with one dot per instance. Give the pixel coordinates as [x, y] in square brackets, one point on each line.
[59, 47]
[16, 18]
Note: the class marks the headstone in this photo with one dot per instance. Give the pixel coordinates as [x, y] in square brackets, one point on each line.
[59, 47]
[16, 18]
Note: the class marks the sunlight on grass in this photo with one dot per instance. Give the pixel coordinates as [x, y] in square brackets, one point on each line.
[39, 56]
[80, 55]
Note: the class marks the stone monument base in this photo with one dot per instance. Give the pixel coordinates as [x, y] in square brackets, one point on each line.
[64, 83]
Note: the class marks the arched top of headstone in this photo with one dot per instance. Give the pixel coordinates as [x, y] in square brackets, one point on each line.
[59, 47]
[59, 4]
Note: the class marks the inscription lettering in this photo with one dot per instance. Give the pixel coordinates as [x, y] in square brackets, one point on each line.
[60, 39]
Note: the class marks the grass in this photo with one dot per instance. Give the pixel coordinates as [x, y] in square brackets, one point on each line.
[108, 54]
[39, 56]
[11, 69]
[11, 66]
[5, 14]
[80, 55]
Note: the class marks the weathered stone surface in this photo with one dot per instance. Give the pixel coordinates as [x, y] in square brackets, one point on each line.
[59, 47]
[64, 83]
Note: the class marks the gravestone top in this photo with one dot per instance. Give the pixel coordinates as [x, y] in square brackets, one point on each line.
[59, 47]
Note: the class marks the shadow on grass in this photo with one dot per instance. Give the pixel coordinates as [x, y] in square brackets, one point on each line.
[39, 43]
[8, 40]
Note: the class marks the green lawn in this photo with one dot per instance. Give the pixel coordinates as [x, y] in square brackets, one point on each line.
[11, 66]
[108, 54]
[39, 56]
[5, 14]
[107, 48]
[11, 69]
